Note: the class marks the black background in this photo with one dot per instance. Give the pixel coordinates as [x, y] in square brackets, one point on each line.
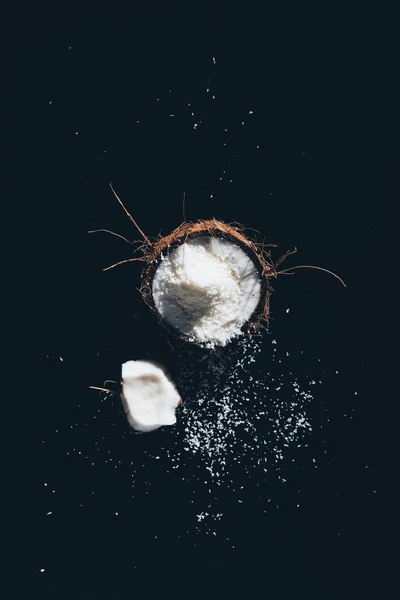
[322, 82]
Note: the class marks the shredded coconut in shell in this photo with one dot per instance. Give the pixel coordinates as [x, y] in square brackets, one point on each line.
[207, 288]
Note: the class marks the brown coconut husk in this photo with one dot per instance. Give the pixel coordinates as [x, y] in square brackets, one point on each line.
[259, 253]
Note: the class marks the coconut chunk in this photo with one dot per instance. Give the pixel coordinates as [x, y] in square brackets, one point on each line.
[148, 395]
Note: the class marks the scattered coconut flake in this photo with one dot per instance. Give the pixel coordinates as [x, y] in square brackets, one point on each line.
[238, 418]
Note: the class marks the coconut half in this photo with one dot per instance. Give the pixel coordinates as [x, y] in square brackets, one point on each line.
[207, 282]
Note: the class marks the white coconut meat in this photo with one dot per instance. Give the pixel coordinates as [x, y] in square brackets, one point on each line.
[148, 395]
[207, 288]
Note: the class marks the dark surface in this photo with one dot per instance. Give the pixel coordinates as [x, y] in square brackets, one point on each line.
[322, 85]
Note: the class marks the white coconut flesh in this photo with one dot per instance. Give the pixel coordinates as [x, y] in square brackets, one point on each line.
[207, 288]
[148, 395]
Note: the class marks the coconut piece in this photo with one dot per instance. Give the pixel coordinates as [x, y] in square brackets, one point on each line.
[148, 395]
